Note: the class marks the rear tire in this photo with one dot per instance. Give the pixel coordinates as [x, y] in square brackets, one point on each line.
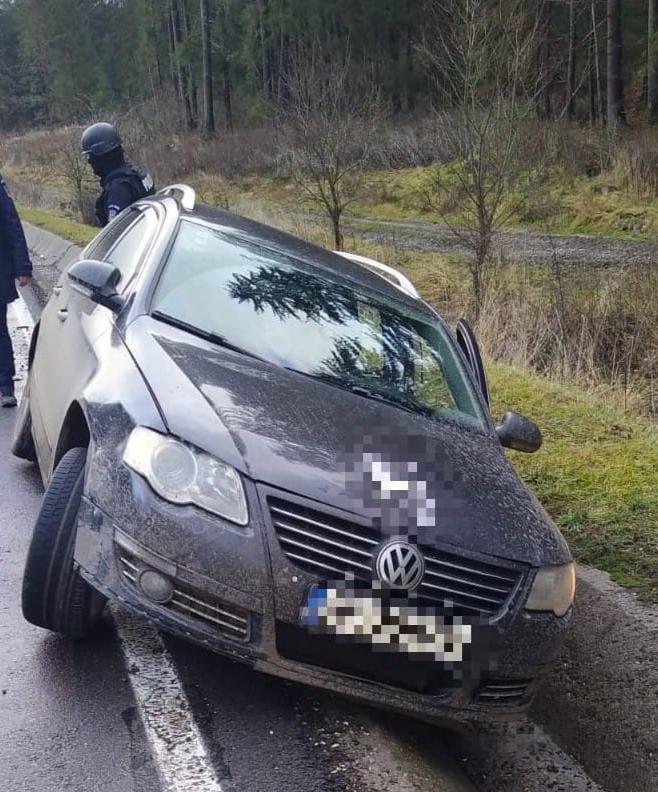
[55, 596]
[22, 444]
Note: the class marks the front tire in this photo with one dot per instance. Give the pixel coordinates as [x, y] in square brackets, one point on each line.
[55, 596]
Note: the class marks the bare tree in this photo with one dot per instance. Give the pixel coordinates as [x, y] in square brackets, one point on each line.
[72, 167]
[485, 65]
[328, 123]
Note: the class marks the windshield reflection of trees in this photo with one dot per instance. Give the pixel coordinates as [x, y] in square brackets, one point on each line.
[293, 294]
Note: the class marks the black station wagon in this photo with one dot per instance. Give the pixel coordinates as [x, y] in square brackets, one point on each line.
[283, 454]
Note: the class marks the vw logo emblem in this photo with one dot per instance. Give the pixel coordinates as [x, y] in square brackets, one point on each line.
[400, 566]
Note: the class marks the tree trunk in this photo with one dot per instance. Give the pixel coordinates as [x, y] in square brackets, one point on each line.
[226, 69]
[155, 26]
[262, 41]
[172, 52]
[394, 58]
[571, 66]
[337, 229]
[597, 62]
[208, 97]
[411, 87]
[228, 96]
[182, 79]
[193, 94]
[591, 71]
[652, 65]
[545, 104]
[615, 54]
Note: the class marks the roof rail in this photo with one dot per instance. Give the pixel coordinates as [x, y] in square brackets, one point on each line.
[188, 195]
[390, 274]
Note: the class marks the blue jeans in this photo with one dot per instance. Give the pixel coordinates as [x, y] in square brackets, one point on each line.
[7, 369]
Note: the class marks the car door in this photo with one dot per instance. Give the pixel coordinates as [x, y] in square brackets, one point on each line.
[46, 372]
[66, 353]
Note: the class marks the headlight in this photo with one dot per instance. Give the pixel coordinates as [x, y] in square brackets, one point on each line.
[182, 474]
[553, 589]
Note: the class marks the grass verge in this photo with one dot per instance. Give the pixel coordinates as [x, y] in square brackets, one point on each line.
[596, 474]
[77, 233]
[597, 471]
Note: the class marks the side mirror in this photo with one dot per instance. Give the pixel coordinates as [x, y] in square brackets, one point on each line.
[98, 280]
[519, 433]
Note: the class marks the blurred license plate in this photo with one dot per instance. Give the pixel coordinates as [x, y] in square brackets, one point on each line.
[395, 626]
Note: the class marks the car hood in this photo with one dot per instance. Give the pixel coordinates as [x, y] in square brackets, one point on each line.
[445, 483]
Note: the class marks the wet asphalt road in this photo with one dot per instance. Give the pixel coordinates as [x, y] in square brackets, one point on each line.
[62, 705]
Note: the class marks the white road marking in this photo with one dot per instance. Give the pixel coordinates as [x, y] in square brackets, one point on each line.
[176, 744]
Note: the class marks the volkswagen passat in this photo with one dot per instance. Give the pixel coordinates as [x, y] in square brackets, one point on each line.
[285, 455]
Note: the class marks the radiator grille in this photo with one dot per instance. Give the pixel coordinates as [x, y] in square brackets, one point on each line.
[187, 601]
[327, 546]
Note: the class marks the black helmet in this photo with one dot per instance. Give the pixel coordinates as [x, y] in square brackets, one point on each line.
[100, 139]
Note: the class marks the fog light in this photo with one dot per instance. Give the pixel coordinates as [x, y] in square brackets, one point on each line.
[155, 586]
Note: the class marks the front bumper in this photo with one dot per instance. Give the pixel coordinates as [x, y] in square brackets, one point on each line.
[238, 594]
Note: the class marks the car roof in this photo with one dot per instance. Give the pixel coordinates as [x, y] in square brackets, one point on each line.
[328, 262]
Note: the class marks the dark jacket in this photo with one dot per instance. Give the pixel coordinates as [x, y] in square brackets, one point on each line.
[14, 255]
[121, 188]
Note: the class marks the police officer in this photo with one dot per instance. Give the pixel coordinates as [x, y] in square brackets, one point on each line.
[14, 265]
[122, 182]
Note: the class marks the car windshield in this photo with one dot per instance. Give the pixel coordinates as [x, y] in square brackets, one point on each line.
[273, 306]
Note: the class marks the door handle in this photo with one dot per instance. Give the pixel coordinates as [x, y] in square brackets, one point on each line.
[62, 314]
[57, 290]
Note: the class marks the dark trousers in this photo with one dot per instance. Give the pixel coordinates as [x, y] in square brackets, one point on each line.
[7, 369]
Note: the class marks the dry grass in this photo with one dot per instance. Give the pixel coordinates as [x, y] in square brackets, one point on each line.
[599, 329]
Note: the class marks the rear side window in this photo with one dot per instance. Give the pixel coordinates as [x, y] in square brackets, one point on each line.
[99, 248]
[129, 250]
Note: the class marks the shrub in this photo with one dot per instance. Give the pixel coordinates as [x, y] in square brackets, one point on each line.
[636, 164]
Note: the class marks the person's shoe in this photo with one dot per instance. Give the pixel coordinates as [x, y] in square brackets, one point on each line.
[7, 398]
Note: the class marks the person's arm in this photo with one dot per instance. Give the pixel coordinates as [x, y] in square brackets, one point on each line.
[18, 252]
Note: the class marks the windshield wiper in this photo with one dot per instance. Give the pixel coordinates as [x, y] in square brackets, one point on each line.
[398, 400]
[405, 403]
[206, 335]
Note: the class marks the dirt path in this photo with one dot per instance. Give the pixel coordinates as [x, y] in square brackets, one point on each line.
[527, 246]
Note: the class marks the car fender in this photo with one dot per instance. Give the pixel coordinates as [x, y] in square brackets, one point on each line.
[114, 400]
